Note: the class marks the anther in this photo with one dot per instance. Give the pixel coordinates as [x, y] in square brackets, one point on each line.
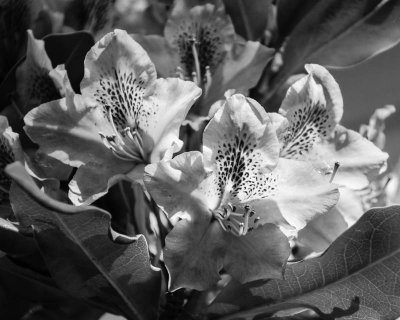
[335, 169]
[207, 80]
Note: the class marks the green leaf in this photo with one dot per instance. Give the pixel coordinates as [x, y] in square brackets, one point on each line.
[339, 34]
[80, 255]
[356, 278]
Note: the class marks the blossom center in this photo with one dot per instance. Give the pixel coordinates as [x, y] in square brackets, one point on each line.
[126, 144]
[237, 219]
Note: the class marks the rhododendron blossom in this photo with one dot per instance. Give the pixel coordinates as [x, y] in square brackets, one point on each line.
[237, 194]
[200, 44]
[123, 118]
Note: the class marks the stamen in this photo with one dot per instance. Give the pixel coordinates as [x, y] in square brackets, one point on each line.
[335, 169]
[127, 145]
[196, 59]
[207, 80]
[179, 73]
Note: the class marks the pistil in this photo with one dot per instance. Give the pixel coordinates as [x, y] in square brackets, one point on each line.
[197, 73]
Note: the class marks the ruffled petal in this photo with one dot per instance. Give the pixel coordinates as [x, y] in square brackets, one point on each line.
[118, 75]
[314, 106]
[241, 146]
[360, 160]
[299, 194]
[324, 229]
[374, 131]
[120, 81]
[68, 130]
[92, 181]
[197, 251]
[181, 186]
[170, 102]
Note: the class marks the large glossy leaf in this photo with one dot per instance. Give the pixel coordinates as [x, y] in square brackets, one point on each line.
[340, 34]
[82, 258]
[356, 278]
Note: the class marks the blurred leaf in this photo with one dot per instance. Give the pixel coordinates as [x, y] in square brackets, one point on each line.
[356, 278]
[290, 13]
[69, 49]
[28, 284]
[80, 255]
[249, 16]
[339, 33]
[13, 240]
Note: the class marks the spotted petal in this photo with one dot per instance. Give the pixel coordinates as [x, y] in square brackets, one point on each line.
[209, 25]
[360, 160]
[120, 80]
[298, 195]
[314, 106]
[69, 131]
[240, 145]
[198, 249]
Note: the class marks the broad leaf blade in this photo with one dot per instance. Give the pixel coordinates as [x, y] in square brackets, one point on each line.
[356, 278]
[340, 34]
[81, 256]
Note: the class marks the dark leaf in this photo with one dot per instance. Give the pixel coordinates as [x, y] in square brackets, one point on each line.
[81, 256]
[356, 278]
[339, 34]
[29, 285]
[69, 49]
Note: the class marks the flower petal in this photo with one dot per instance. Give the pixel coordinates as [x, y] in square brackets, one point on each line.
[324, 229]
[34, 85]
[191, 253]
[68, 130]
[181, 185]
[165, 58]
[240, 145]
[260, 254]
[118, 75]
[197, 251]
[92, 181]
[212, 29]
[314, 106]
[171, 101]
[300, 194]
[360, 160]
[374, 131]
[120, 80]
[241, 70]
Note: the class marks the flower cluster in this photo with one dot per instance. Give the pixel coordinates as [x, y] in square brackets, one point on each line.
[232, 202]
